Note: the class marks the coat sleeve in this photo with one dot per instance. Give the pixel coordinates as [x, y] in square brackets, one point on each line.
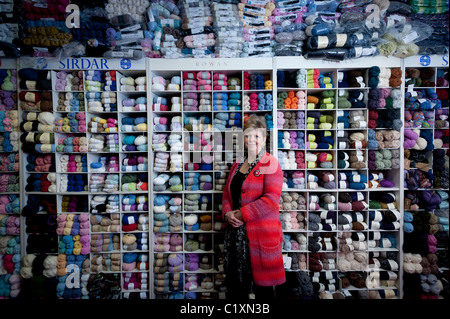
[270, 199]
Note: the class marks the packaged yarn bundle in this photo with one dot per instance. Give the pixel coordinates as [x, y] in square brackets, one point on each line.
[197, 33]
[132, 84]
[36, 101]
[294, 180]
[291, 120]
[258, 28]
[204, 123]
[99, 125]
[9, 121]
[69, 81]
[159, 142]
[163, 24]
[9, 204]
[291, 139]
[435, 15]
[8, 100]
[73, 163]
[9, 31]
[133, 124]
[138, 104]
[128, 19]
[319, 120]
[440, 160]
[73, 122]
[8, 83]
[103, 102]
[291, 100]
[334, 34]
[322, 140]
[71, 102]
[400, 39]
[9, 142]
[30, 79]
[352, 180]
[224, 101]
[289, 28]
[287, 160]
[134, 182]
[351, 78]
[38, 33]
[413, 78]
[228, 29]
[257, 81]
[319, 160]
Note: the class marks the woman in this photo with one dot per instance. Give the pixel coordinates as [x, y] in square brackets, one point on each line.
[253, 259]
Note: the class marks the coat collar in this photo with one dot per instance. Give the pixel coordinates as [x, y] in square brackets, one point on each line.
[252, 165]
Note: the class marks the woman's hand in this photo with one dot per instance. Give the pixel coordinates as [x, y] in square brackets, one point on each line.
[234, 218]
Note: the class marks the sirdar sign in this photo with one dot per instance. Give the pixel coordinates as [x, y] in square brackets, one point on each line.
[84, 64]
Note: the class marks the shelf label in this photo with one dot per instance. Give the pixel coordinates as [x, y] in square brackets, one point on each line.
[84, 64]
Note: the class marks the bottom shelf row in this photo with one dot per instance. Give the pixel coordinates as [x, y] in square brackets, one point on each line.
[79, 283]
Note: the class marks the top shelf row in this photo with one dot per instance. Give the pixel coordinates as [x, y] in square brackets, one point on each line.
[115, 81]
[303, 78]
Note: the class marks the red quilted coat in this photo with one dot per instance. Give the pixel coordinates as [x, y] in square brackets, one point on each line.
[260, 198]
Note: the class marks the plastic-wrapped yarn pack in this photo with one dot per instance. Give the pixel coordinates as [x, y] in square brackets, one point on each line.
[435, 15]
[289, 27]
[257, 27]
[196, 28]
[228, 29]
[400, 39]
[342, 30]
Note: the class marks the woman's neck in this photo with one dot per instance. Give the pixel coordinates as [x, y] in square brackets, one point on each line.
[251, 157]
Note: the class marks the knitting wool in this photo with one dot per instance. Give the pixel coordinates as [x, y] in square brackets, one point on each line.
[258, 21]
[230, 36]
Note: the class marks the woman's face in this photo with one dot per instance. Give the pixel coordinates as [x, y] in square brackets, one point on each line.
[254, 140]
